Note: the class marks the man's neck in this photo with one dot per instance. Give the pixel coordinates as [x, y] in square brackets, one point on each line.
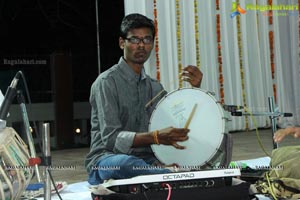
[137, 68]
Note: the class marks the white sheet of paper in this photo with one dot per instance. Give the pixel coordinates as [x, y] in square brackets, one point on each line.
[257, 163]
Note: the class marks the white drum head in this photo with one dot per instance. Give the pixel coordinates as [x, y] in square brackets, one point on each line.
[207, 126]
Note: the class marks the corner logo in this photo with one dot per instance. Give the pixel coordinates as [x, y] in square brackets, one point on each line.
[236, 10]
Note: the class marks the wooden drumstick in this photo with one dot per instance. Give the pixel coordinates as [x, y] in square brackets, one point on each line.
[153, 99]
[190, 117]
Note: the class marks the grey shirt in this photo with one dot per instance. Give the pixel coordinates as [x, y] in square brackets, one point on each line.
[118, 98]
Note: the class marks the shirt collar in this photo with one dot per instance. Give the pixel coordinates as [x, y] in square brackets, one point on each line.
[128, 72]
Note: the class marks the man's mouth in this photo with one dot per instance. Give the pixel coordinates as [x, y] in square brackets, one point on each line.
[140, 54]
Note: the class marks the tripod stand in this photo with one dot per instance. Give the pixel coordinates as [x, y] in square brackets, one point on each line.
[273, 114]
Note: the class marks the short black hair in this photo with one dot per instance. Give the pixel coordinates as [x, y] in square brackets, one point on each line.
[133, 21]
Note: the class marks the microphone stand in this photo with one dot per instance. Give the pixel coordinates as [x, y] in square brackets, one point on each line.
[21, 101]
[272, 114]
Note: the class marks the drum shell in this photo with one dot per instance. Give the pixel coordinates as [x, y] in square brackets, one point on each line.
[14, 170]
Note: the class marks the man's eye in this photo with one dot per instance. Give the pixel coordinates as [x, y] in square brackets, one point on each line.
[147, 40]
[134, 40]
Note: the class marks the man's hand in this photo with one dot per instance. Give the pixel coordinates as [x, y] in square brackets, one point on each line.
[170, 136]
[280, 134]
[193, 75]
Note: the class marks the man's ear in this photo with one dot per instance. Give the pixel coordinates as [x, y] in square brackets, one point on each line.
[121, 43]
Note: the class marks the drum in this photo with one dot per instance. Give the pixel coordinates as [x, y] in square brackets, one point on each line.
[15, 174]
[207, 128]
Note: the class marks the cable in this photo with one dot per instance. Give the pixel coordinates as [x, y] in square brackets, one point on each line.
[29, 102]
[169, 190]
[77, 11]
[36, 130]
[61, 19]
[43, 11]
[145, 195]
[256, 130]
[271, 189]
[53, 183]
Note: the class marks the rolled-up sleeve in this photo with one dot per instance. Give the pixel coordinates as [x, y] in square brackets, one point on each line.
[122, 146]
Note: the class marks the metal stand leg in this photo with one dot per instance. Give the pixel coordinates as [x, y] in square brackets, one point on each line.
[46, 148]
[273, 120]
[2, 124]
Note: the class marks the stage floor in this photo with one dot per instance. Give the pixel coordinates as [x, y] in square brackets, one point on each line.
[245, 146]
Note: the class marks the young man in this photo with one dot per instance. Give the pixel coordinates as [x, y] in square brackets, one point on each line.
[120, 141]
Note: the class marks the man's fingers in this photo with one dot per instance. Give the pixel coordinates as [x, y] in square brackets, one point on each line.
[182, 138]
[278, 138]
[177, 146]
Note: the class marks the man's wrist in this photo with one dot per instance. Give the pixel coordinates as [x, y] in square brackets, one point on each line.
[155, 137]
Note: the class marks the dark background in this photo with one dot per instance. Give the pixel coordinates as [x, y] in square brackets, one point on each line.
[35, 29]
[62, 34]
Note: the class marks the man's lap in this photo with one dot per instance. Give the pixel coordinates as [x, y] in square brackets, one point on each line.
[122, 166]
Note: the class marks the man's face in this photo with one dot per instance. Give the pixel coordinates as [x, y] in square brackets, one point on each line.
[137, 46]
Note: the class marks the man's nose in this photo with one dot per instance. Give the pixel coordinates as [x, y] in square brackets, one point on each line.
[141, 44]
